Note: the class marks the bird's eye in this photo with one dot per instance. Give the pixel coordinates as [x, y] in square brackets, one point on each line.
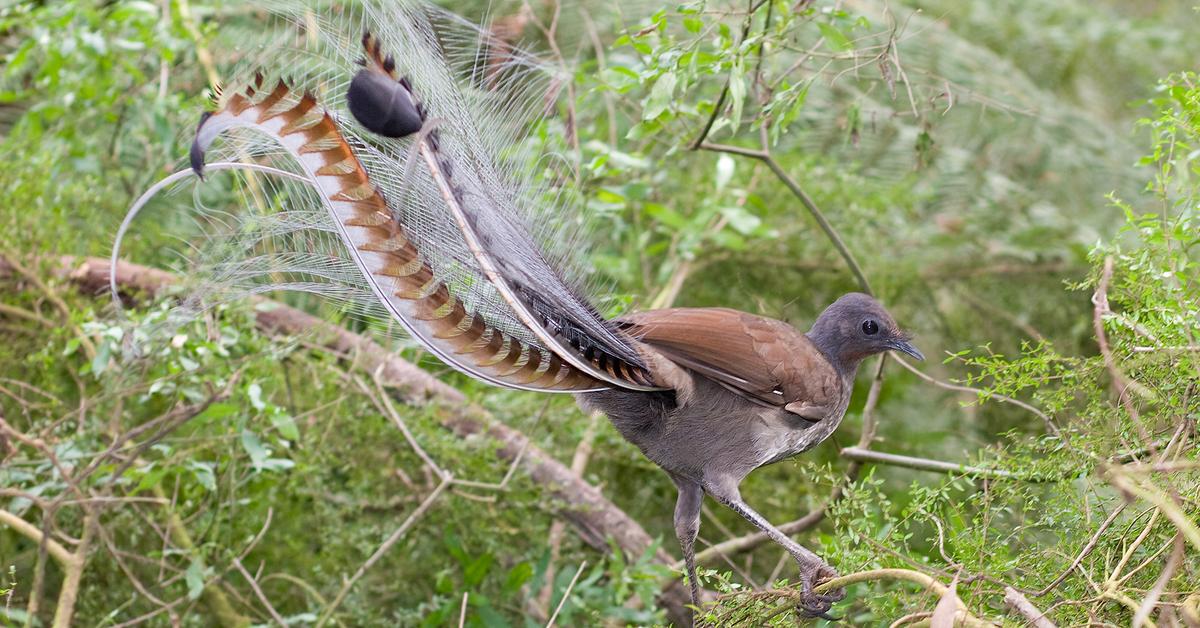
[870, 327]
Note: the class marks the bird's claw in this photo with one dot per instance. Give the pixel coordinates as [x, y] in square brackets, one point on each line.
[814, 604]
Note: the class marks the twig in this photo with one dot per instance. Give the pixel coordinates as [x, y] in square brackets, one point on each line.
[214, 597]
[1114, 576]
[755, 5]
[579, 460]
[462, 612]
[566, 594]
[258, 592]
[383, 549]
[911, 618]
[1120, 382]
[963, 617]
[28, 315]
[1130, 485]
[764, 155]
[63, 310]
[1191, 610]
[1087, 549]
[1125, 601]
[390, 411]
[975, 391]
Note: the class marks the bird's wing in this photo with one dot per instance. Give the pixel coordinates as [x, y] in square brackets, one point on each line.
[764, 360]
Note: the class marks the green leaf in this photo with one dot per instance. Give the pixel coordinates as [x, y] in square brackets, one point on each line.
[741, 220]
[219, 410]
[194, 576]
[286, 426]
[737, 94]
[660, 96]
[254, 392]
[100, 361]
[666, 215]
[837, 39]
[478, 569]
[203, 471]
[521, 573]
[151, 478]
[255, 449]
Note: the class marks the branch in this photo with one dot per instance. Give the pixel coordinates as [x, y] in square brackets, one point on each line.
[73, 576]
[1020, 604]
[31, 532]
[1131, 486]
[963, 616]
[926, 464]
[1123, 384]
[1191, 610]
[379, 553]
[258, 592]
[835, 238]
[720, 104]
[975, 391]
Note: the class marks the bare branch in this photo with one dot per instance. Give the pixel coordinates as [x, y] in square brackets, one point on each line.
[1021, 605]
[939, 466]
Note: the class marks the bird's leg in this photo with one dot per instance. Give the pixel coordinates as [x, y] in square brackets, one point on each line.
[687, 526]
[813, 570]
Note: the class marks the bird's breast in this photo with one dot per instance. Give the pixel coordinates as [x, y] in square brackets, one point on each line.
[779, 434]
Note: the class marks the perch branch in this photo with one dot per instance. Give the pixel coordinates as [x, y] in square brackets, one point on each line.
[963, 616]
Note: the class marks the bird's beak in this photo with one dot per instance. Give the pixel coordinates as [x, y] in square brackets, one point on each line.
[905, 346]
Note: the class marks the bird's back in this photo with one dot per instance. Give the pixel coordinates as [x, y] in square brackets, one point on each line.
[729, 413]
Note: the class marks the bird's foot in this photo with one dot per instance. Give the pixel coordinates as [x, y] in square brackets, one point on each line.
[814, 604]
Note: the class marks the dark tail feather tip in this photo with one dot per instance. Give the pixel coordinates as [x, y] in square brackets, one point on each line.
[196, 155]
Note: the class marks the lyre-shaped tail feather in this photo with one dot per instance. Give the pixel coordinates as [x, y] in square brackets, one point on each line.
[405, 185]
[401, 279]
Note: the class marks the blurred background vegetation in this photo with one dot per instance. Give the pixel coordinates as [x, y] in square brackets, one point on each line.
[983, 162]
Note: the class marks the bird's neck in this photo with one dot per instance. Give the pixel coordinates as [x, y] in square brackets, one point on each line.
[832, 349]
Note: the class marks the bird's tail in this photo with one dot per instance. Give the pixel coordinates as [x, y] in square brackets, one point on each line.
[396, 147]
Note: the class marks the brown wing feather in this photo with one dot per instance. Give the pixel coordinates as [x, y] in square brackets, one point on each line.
[765, 360]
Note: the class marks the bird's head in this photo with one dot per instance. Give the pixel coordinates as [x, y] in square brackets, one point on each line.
[857, 326]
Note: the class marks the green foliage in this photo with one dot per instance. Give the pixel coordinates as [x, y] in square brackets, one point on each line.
[964, 153]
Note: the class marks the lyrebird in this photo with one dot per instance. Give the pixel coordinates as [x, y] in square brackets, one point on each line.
[412, 205]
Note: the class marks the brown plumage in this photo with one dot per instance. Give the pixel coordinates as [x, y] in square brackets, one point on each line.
[765, 360]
